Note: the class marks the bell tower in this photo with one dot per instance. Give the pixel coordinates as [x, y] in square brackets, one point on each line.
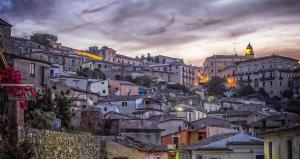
[249, 51]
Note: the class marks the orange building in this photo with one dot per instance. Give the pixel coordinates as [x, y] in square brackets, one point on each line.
[191, 136]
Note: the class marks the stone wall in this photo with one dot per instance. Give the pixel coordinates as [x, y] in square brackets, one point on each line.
[58, 145]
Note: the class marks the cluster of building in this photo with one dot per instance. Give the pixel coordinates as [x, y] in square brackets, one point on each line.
[160, 122]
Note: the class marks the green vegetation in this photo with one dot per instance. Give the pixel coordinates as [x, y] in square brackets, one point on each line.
[216, 86]
[41, 39]
[46, 107]
[88, 73]
[178, 87]
[245, 90]
[142, 80]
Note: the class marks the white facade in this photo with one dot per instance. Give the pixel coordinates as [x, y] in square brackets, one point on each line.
[100, 87]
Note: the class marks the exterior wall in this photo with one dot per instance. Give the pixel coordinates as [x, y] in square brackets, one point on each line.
[279, 142]
[171, 126]
[42, 72]
[130, 108]
[208, 107]
[190, 115]
[215, 64]
[53, 145]
[145, 136]
[122, 88]
[244, 152]
[100, 87]
[115, 150]
[183, 139]
[273, 73]
[72, 82]
[126, 88]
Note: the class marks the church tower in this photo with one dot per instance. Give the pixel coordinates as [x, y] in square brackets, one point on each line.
[249, 51]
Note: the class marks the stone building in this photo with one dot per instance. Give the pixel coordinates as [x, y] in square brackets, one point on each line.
[283, 143]
[33, 71]
[296, 83]
[214, 65]
[91, 118]
[271, 73]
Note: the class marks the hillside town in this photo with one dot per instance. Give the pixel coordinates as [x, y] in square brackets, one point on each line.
[101, 103]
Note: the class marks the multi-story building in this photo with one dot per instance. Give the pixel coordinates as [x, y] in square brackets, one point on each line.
[271, 73]
[181, 73]
[296, 83]
[33, 71]
[214, 65]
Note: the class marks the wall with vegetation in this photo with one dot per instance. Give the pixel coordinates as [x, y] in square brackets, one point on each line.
[58, 145]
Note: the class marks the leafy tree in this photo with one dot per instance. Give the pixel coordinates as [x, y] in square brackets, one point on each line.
[245, 90]
[215, 86]
[178, 87]
[41, 39]
[262, 93]
[288, 94]
[88, 73]
[44, 108]
[142, 80]
[63, 111]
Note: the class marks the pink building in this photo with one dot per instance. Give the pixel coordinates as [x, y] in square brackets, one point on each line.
[123, 88]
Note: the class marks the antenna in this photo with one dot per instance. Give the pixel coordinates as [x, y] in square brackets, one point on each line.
[234, 44]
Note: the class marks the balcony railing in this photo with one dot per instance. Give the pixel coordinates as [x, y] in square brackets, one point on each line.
[267, 78]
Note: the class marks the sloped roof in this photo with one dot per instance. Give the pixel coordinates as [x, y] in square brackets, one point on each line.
[221, 141]
[134, 143]
[3, 22]
[120, 98]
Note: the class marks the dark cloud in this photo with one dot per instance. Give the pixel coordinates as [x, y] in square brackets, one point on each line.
[137, 25]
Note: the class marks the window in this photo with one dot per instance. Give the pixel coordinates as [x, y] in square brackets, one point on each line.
[103, 91]
[124, 104]
[99, 65]
[271, 83]
[105, 109]
[41, 57]
[280, 83]
[32, 69]
[289, 149]
[200, 137]
[176, 141]
[73, 62]
[199, 157]
[270, 150]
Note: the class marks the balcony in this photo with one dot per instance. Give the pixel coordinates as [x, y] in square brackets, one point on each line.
[262, 70]
[270, 69]
[248, 73]
[255, 72]
[285, 70]
[267, 78]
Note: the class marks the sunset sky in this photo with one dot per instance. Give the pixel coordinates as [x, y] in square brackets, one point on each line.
[188, 29]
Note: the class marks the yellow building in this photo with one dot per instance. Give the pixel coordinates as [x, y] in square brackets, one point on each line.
[283, 143]
[120, 147]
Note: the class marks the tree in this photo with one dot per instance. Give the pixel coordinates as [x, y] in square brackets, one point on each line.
[215, 86]
[88, 73]
[142, 80]
[41, 39]
[288, 94]
[45, 108]
[63, 111]
[178, 87]
[245, 90]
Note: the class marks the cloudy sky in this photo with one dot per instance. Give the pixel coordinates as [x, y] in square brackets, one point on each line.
[188, 29]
